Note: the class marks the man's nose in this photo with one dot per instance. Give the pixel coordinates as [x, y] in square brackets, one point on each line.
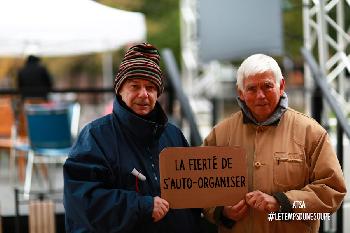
[260, 93]
[143, 92]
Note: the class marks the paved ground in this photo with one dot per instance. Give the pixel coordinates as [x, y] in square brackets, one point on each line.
[7, 186]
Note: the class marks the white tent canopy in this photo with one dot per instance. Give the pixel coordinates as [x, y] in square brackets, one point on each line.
[65, 27]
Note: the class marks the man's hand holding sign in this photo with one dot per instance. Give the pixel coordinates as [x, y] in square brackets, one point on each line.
[199, 177]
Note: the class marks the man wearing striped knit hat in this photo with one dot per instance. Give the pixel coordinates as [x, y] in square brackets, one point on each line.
[111, 178]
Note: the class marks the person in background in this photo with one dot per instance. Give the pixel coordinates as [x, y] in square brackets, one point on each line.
[111, 177]
[290, 158]
[34, 80]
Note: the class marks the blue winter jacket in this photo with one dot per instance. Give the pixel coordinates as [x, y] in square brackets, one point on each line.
[101, 194]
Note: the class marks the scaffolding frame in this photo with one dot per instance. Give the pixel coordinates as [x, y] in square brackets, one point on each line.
[327, 37]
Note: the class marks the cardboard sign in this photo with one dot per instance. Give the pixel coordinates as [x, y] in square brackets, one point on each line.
[200, 177]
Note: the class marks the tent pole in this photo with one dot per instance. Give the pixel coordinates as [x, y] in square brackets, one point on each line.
[107, 72]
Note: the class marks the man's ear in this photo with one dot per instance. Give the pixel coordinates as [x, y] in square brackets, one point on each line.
[240, 93]
[282, 86]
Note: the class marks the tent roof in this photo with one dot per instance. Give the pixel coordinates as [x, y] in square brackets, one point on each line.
[65, 27]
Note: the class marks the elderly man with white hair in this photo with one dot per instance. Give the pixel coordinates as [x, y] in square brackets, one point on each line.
[290, 158]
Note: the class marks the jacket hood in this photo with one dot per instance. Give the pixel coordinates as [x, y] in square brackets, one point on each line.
[273, 119]
[145, 130]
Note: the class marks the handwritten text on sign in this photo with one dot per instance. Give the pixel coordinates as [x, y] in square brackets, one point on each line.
[197, 177]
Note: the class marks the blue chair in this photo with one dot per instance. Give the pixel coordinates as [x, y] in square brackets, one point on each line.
[51, 129]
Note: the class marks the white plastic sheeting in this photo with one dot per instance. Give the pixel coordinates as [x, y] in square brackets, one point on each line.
[65, 27]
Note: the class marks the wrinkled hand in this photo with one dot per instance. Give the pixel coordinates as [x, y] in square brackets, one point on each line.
[160, 208]
[262, 201]
[237, 211]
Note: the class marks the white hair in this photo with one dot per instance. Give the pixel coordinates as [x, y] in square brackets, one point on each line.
[257, 64]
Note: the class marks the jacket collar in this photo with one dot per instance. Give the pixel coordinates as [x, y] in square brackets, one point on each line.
[273, 120]
[142, 129]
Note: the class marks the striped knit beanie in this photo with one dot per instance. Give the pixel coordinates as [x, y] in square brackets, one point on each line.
[140, 61]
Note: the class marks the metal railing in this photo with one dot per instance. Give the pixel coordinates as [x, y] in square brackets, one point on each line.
[12, 91]
[174, 77]
[175, 80]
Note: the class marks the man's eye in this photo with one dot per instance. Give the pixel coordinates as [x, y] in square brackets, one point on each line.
[150, 88]
[269, 86]
[251, 89]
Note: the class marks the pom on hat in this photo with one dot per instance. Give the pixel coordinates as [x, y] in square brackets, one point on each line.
[140, 62]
